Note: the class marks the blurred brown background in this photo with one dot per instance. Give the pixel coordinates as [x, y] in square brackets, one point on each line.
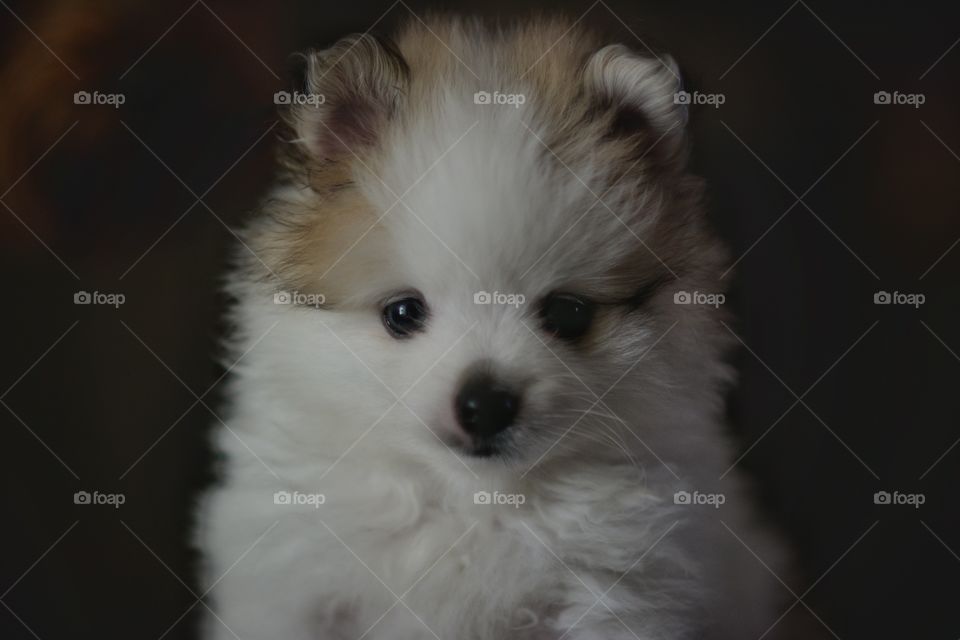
[139, 199]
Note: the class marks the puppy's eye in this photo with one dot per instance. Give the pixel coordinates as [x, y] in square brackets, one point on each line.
[404, 317]
[566, 316]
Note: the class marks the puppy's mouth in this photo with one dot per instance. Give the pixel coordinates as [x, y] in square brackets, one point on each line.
[477, 447]
[482, 449]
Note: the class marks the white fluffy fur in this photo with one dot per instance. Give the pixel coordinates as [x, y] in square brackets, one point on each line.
[313, 408]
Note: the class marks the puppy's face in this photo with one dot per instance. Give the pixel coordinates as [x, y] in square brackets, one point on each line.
[496, 238]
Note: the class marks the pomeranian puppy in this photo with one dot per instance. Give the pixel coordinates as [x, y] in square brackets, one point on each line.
[478, 388]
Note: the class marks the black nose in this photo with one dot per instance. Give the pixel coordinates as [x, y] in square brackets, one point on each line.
[485, 407]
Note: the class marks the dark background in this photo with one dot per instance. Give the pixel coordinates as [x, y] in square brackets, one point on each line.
[97, 198]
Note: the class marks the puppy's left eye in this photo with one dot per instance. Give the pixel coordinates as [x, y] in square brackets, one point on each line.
[405, 317]
[566, 316]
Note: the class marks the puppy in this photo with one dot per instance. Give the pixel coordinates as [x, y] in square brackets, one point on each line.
[478, 378]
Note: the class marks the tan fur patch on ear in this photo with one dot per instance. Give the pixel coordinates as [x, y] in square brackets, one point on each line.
[356, 85]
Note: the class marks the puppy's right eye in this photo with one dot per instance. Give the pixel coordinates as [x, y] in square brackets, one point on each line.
[404, 317]
[565, 316]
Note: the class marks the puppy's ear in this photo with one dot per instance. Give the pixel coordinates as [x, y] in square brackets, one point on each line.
[645, 95]
[349, 93]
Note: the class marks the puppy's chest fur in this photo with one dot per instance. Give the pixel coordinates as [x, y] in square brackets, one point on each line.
[406, 558]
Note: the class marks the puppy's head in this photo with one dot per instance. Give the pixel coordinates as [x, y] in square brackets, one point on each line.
[482, 235]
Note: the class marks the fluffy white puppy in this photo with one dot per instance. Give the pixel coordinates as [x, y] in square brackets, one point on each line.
[479, 382]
